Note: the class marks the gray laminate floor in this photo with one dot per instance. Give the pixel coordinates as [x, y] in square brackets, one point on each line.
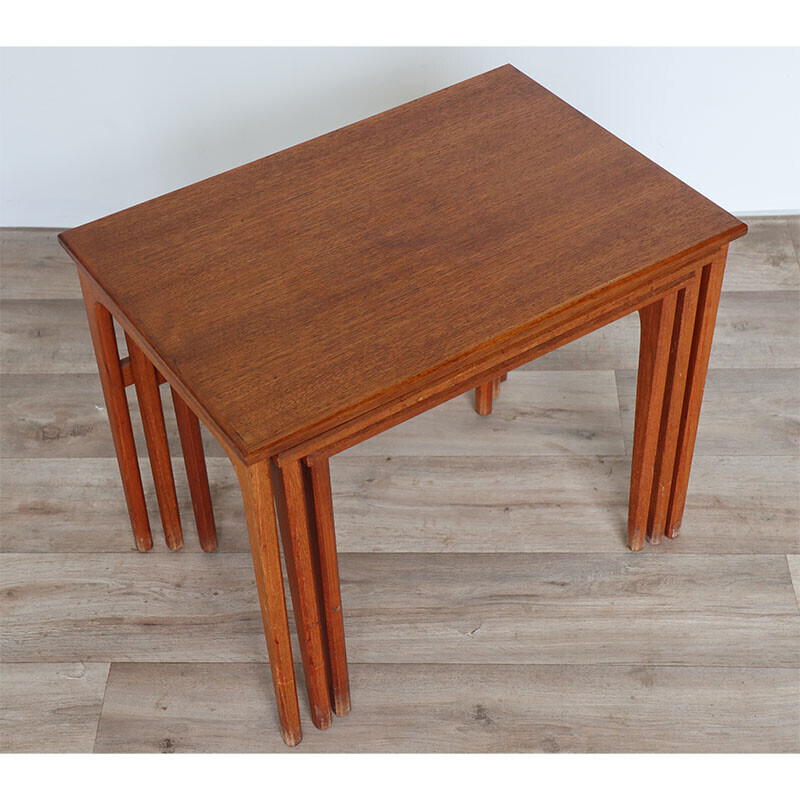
[491, 604]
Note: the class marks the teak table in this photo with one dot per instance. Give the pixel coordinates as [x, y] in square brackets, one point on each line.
[306, 301]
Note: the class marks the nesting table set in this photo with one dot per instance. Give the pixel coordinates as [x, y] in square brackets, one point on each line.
[309, 300]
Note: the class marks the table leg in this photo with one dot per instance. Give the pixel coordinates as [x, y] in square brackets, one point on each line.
[260, 512]
[101, 327]
[196, 473]
[707, 304]
[297, 527]
[654, 350]
[486, 392]
[483, 398]
[145, 380]
[320, 479]
[682, 330]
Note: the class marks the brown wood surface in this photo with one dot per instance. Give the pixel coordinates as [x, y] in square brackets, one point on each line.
[127, 372]
[328, 279]
[707, 304]
[196, 472]
[483, 398]
[560, 327]
[297, 526]
[331, 592]
[672, 411]
[259, 506]
[101, 327]
[654, 350]
[145, 379]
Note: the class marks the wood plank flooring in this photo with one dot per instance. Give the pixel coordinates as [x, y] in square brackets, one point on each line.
[167, 708]
[490, 603]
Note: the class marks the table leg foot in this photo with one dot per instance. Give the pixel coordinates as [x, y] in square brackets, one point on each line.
[673, 534]
[486, 392]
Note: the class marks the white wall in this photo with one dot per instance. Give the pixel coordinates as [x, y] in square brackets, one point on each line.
[85, 132]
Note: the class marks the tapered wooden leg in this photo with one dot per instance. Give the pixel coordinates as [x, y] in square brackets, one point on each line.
[654, 350]
[483, 398]
[145, 380]
[680, 350]
[295, 524]
[707, 304]
[259, 508]
[196, 474]
[320, 478]
[486, 392]
[101, 326]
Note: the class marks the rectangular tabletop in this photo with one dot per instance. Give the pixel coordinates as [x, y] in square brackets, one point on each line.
[286, 294]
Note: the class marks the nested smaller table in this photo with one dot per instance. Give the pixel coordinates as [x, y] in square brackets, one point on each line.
[304, 302]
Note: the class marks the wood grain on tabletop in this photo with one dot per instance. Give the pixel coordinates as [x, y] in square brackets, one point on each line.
[329, 275]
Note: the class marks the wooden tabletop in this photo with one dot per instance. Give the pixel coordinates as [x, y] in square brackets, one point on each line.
[287, 294]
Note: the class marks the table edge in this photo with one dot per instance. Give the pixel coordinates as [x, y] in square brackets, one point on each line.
[439, 373]
[236, 445]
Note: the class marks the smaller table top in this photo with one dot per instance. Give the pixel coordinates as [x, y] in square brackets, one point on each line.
[288, 292]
